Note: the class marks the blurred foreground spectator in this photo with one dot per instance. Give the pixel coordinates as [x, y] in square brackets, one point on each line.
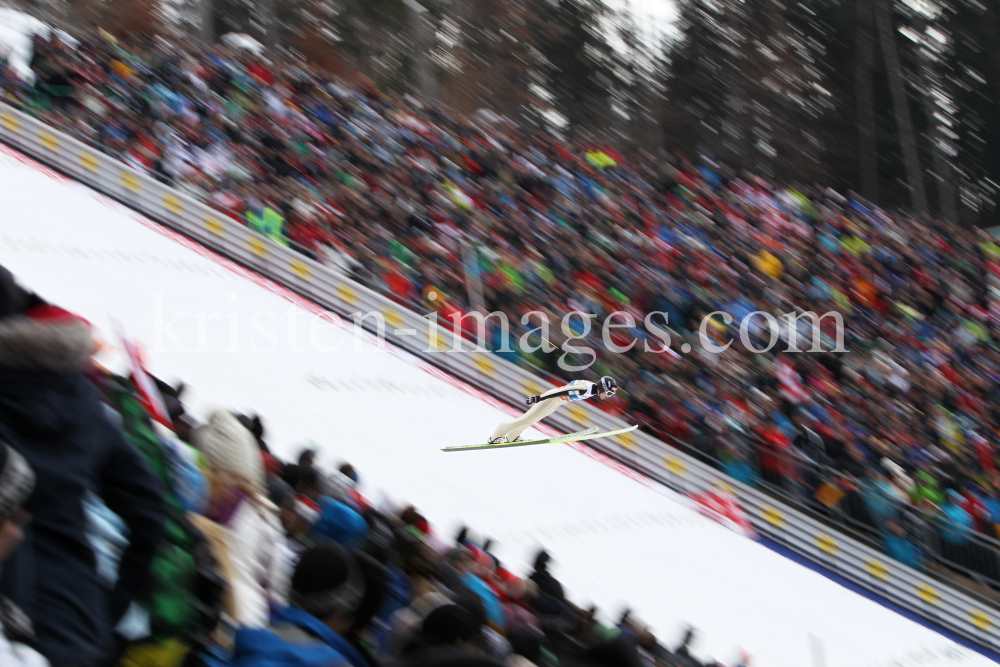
[51, 414]
[17, 637]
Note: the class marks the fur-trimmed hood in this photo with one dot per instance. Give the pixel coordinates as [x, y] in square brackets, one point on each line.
[52, 413]
[60, 346]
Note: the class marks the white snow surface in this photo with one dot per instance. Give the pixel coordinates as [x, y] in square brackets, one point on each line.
[615, 540]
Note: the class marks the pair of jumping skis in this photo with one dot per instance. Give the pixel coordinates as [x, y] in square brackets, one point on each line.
[588, 434]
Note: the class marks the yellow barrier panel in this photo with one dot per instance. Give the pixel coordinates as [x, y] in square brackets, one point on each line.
[531, 389]
[629, 441]
[980, 620]
[258, 247]
[392, 318]
[484, 365]
[214, 226]
[348, 295]
[675, 465]
[877, 569]
[49, 140]
[436, 339]
[12, 124]
[827, 544]
[130, 181]
[773, 516]
[928, 594]
[578, 414]
[172, 203]
[90, 162]
[301, 269]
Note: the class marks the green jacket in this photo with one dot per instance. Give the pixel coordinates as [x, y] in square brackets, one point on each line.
[927, 488]
[181, 603]
[269, 223]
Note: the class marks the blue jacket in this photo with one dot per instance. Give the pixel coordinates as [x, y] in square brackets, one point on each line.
[260, 647]
[494, 613]
[741, 471]
[878, 499]
[903, 550]
[397, 596]
[956, 516]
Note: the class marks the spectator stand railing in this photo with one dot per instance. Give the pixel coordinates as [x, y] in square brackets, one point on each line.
[958, 611]
[867, 512]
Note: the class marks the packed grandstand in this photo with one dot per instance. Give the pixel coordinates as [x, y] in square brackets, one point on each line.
[894, 440]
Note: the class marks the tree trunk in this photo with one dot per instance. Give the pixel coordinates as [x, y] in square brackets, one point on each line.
[947, 206]
[423, 35]
[268, 18]
[864, 93]
[206, 11]
[897, 89]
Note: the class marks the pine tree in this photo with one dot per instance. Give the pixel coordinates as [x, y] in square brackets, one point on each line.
[974, 71]
[749, 77]
[901, 106]
[698, 63]
[639, 83]
[864, 65]
[495, 58]
[575, 66]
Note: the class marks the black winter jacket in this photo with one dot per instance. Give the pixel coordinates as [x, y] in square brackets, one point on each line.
[50, 412]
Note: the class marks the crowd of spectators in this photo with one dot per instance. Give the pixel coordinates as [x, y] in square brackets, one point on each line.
[897, 435]
[133, 542]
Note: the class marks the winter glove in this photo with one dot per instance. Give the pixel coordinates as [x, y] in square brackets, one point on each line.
[532, 399]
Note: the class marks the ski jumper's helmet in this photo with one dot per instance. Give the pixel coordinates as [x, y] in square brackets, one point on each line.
[608, 385]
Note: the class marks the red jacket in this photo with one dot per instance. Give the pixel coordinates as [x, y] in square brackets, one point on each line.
[977, 509]
[776, 454]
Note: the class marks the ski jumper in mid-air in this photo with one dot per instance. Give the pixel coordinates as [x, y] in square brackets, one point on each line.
[544, 405]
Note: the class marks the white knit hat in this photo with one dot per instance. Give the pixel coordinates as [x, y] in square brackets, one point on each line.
[231, 448]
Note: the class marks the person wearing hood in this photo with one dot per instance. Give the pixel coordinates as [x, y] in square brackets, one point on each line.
[239, 504]
[51, 415]
[17, 639]
[546, 583]
[464, 563]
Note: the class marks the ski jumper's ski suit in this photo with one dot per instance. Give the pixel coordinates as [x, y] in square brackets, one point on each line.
[580, 390]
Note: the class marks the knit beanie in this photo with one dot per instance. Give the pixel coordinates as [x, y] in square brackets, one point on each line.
[17, 479]
[448, 624]
[231, 449]
[327, 581]
[340, 523]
